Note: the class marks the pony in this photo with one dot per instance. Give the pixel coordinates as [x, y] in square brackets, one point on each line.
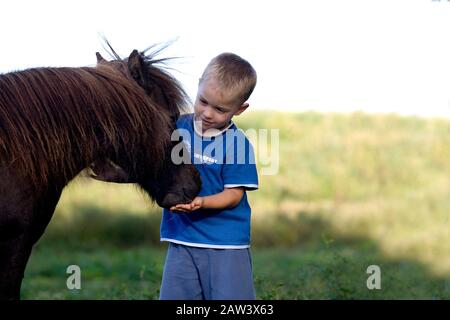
[56, 122]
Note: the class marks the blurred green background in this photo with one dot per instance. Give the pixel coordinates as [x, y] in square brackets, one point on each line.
[352, 190]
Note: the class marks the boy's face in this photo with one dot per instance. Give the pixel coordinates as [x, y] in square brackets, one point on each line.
[214, 106]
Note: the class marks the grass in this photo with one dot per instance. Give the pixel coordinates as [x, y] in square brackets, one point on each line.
[352, 190]
[316, 271]
[106, 272]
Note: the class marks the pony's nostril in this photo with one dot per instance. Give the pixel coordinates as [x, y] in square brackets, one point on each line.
[171, 199]
[186, 197]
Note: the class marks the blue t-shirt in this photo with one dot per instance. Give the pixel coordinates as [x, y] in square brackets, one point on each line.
[226, 160]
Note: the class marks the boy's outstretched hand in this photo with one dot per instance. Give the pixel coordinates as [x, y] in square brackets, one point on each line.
[228, 198]
[196, 204]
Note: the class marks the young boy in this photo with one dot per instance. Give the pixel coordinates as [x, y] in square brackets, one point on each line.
[208, 255]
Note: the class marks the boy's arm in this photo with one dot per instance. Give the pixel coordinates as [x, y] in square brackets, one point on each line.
[228, 198]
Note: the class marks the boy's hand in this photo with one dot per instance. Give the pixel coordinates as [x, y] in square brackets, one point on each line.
[196, 204]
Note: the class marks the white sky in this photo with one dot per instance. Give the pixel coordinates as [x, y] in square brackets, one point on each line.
[325, 55]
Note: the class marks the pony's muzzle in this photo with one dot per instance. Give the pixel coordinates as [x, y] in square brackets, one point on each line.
[171, 199]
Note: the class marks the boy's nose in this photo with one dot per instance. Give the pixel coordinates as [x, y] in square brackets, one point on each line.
[207, 114]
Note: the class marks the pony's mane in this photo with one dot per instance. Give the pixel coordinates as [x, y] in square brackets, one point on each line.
[55, 121]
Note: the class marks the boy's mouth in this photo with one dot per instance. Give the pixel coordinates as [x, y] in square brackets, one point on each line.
[207, 123]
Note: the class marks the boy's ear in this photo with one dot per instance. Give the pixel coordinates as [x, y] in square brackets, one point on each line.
[242, 109]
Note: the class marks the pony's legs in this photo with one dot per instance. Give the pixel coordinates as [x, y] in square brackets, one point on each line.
[14, 254]
[16, 242]
[22, 222]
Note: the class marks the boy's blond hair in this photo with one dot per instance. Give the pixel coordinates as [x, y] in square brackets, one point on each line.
[233, 74]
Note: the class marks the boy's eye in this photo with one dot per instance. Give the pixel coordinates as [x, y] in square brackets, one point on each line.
[203, 102]
[220, 110]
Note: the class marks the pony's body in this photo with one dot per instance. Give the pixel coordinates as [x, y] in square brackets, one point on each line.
[54, 122]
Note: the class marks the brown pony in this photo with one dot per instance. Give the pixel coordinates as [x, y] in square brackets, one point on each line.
[55, 122]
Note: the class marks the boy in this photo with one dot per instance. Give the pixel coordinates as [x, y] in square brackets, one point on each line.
[208, 255]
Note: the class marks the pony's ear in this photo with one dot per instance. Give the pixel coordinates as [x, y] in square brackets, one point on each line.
[136, 66]
[100, 59]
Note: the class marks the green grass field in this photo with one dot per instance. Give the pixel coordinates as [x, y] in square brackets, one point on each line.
[352, 191]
